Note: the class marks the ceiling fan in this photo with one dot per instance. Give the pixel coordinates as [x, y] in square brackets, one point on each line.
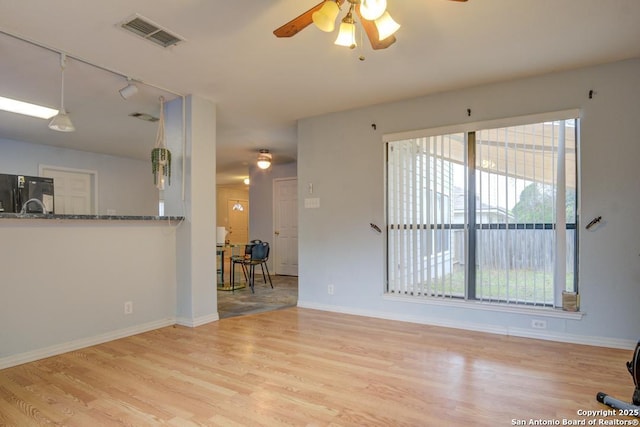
[370, 26]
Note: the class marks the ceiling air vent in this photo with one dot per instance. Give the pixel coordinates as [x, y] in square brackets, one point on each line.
[151, 31]
[144, 116]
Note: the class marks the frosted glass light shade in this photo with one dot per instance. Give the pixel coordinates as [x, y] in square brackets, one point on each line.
[325, 18]
[61, 123]
[372, 9]
[386, 26]
[264, 159]
[347, 35]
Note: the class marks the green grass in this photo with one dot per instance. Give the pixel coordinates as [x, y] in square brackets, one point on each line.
[512, 285]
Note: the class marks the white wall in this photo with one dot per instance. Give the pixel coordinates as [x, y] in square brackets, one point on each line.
[342, 155]
[124, 185]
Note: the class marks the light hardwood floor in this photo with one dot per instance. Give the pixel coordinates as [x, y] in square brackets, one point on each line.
[301, 367]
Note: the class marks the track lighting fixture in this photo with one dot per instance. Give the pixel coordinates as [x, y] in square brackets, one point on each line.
[61, 122]
[129, 90]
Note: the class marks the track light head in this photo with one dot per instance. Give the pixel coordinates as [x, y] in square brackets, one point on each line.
[129, 90]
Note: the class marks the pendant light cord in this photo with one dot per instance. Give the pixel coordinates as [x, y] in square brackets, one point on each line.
[63, 61]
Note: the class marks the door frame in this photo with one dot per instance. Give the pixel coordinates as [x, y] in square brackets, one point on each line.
[92, 173]
[274, 200]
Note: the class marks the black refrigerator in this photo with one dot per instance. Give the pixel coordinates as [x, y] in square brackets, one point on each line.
[16, 190]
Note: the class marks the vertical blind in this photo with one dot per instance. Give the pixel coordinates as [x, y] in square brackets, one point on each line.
[487, 215]
[425, 180]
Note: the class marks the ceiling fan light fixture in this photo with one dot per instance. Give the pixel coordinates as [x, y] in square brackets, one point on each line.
[347, 33]
[62, 122]
[386, 26]
[325, 18]
[372, 9]
[264, 159]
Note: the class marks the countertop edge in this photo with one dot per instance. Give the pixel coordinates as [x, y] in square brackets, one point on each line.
[31, 216]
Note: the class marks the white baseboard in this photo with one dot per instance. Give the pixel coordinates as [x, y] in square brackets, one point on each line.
[198, 321]
[30, 356]
[492, 329]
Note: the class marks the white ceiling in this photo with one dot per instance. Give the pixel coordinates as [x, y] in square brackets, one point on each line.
[262, 84]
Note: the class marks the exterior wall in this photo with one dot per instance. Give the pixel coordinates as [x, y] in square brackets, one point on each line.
[343, 157]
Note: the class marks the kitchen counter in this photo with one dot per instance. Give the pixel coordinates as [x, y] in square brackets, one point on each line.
[30, 216]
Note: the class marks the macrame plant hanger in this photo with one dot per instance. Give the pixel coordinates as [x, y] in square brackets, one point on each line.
[160, 155]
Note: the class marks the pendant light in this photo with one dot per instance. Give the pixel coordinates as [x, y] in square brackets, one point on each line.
[61, 122]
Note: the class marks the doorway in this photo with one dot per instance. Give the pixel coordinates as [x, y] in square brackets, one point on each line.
[74, 190]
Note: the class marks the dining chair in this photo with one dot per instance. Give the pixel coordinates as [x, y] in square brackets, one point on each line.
[240, 259]
[259, 256]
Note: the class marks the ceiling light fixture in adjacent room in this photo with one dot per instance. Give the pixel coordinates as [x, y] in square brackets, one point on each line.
[129, 90]
[264, 159]
[61, 122]
[238, 206]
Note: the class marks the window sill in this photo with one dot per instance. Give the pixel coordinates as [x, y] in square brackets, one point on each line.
[487, 306]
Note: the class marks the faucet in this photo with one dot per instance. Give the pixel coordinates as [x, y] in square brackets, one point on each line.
[37, 202]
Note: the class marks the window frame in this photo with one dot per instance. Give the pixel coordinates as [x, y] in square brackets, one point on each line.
[469, 130]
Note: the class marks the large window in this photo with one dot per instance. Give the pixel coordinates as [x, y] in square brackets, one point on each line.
[486, 214]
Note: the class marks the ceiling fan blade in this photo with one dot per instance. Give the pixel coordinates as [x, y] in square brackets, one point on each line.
[372, 33]
[299, 23]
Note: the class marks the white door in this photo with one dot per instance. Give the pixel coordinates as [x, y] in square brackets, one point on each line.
[285, 248]
[72, 191]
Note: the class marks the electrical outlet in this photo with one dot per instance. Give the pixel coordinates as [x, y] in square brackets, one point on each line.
[128, 307]
[330, 289]
[538, 324]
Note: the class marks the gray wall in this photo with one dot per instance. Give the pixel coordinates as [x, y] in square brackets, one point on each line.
[125, 185]
[343, 156]
[64, 283]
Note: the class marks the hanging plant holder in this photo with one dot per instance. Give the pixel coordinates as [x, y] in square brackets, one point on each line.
[161, 167]
[160, 155]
